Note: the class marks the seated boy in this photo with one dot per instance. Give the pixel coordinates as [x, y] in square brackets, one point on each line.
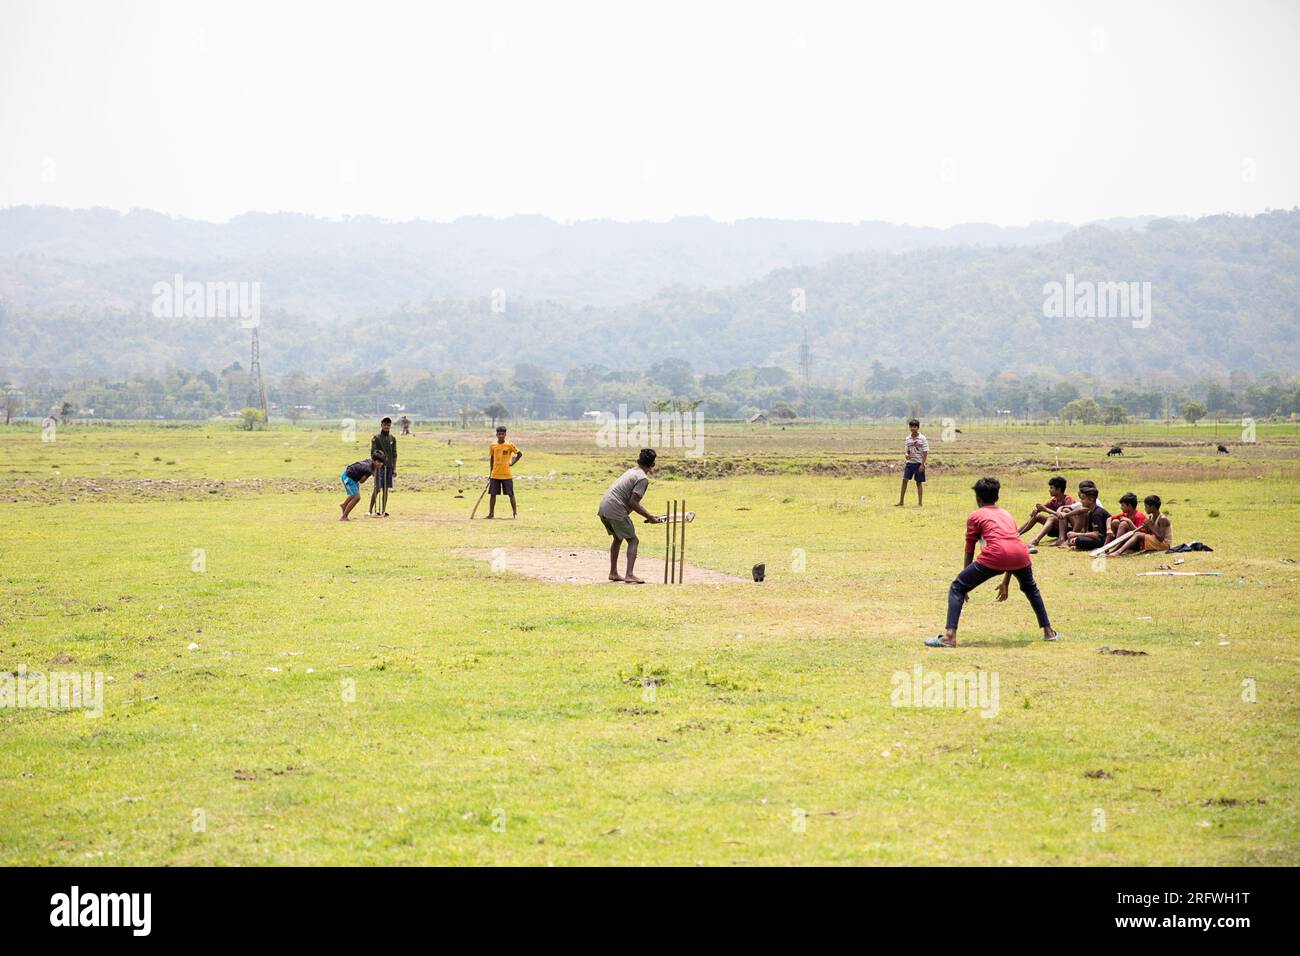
[1127, 519]
[1046, 513]
[1092, 534]
[355, 474]
[1155, 532]
[1073, 517]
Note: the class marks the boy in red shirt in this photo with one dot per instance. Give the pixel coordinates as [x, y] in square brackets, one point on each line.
[1003, 552]
[1154, 532]
[1048, 513]
[1127, 512]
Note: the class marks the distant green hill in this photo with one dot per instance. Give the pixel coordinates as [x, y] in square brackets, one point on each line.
[91, 258]
[1225, 293]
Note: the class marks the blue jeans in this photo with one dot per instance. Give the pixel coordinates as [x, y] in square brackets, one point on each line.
[976, 574]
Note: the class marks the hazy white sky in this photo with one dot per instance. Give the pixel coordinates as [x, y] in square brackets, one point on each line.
[929, 113]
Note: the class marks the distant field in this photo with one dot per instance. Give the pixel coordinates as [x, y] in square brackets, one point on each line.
[360, 692]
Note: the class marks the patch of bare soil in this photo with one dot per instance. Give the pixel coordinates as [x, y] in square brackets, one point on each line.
[426, 517]
[701, 469]
[396, 515]
[197, 489]
[585, 565]
[1104, 444]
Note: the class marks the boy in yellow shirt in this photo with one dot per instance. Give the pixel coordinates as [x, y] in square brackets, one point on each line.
[502, 456]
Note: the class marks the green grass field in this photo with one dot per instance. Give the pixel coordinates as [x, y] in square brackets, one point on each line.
[360, 693]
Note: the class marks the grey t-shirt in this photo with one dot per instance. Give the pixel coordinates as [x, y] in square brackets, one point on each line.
[615, 503]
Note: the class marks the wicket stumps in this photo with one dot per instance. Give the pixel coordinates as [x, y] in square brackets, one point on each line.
[379, 493]
[674, 551]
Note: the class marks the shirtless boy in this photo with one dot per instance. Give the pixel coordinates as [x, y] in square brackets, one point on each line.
[1156, 533]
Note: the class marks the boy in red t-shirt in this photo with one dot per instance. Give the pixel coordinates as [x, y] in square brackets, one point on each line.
[1127, 512]
[1047, 514]
[1003, 552]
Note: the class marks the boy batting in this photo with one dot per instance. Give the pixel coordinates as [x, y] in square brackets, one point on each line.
[354, 475]
[622, 498]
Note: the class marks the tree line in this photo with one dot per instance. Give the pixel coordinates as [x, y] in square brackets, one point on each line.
[531, 392]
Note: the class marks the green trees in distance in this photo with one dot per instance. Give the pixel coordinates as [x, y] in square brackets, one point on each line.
[1086, 411]
[1193, 412]
[681, 406]
[452, 394]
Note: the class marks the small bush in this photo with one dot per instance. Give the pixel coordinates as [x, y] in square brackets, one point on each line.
[250, 418]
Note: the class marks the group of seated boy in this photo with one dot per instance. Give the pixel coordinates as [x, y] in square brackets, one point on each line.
[1085, 525]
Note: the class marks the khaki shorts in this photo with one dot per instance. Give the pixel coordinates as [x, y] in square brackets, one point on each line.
[621, 528]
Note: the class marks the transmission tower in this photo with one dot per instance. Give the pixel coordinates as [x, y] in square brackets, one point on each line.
[256, 390]
[805, 373]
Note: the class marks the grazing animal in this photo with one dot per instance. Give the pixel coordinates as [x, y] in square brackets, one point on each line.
[1223, 449]
[1114, 450]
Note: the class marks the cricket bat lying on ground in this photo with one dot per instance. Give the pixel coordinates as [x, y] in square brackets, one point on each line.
[1113, 546]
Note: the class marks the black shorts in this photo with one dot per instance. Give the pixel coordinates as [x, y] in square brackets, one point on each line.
[501, 486]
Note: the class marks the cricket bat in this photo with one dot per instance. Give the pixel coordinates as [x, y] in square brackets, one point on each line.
[480, 499]
[1114, 545]
[374, 491]
[1179, 574]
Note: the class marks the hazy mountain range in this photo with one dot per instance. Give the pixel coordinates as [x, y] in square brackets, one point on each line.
[75, 292]
[74, 259]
